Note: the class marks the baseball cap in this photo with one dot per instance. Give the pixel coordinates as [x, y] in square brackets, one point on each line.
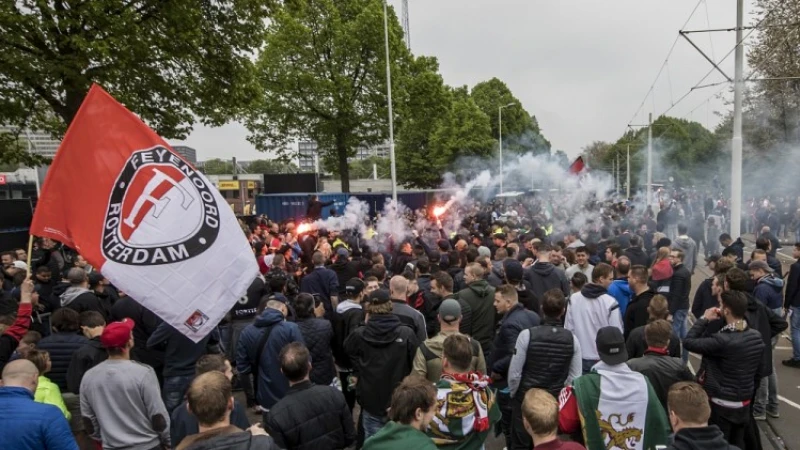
[760, 265]
[342, 252]
[117, 334]
[513, 270]
[450, 310]
[379, 296]
[354, 286]
[484, 251]
[19, 265]
[611, 346]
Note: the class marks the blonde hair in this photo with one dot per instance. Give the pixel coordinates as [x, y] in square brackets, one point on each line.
[540, 410]
[658, 308]
[662, 254]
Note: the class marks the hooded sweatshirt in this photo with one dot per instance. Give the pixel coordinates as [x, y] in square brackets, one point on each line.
[706, 438]
[689, 247]
[588, 311]
[544, 276]
[769, 291]
[396, 436]
[621, 292]
[81, 299]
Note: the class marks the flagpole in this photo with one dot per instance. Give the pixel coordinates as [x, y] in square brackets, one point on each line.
[30, 249]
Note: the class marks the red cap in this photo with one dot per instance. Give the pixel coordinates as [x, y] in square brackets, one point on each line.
[117, 334]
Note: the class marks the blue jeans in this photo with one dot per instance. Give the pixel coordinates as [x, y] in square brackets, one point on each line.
[174, 391]
[680, 329]
[588, 364]
[796, 332]
[372, 424]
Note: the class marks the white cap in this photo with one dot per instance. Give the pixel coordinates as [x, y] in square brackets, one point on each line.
[20, 265]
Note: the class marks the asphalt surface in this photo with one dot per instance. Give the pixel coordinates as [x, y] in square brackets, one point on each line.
[776, 434]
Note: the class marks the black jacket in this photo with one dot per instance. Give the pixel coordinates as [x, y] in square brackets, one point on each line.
[738, 247]
[703, 298]
[180, 352]
[91, 354]
[679, 286]
[345, 270]
[85, 301]
[663, 371]
[637, 344]
[515, 320]
[706, 438]
[480, 298]
[311, 417]
[637, 256]
[146, 323]
[544, 276]
[636, 314]
[349, 317]
[61, 346]
[314, 210]
[528, 299]
[732, 360]
[318, 335]
[382, 353]
[247, 306]
[793, 286]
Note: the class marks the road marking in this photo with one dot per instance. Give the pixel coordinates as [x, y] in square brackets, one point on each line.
[788, 402]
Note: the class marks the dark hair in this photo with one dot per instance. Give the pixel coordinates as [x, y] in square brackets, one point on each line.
[277, 283]
[736, 279]
[725, 237]
[639, 273]
[378, 271]
[578, 280]
[423, 265]
[736, 302]
[762, 243]
[43, 269]
[682, 229]
[728, 251]
[304, 306]
[616, 250]
[679, 253]
[553, 303]
[208, 397]
[210, 363]
[444, 280]
[92, 319]
[582, 249]
[413, 393]
[457, 348]
[722, 266]
[295, 360]
[636, 241]
[66, 320]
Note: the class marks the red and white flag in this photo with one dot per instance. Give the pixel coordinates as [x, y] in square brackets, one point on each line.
[577, 166]
[153, 225]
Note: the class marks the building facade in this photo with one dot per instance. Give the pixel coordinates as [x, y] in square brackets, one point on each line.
[188, 153]
[308, 151]
[37, 142]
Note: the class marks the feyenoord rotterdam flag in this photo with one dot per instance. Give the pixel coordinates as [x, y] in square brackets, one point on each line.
[152, 224]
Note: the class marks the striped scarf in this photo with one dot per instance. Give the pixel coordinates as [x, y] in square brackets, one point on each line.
[463, 404]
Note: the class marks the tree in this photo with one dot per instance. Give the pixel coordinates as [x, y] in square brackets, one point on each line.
[323, 73]
[171, 62]
[462, 131]
[597, 153]
[217, 167]
[561, 158]
[272, 166]
[363, 168]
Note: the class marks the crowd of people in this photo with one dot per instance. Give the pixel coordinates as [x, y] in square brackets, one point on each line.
[511, 320]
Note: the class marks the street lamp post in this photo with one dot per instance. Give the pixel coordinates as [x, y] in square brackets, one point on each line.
[389, 97]
[500, 136]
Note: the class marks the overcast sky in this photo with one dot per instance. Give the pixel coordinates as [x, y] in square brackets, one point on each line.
[582, 67]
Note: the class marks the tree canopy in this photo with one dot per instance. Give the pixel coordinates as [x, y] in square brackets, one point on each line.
[170, 62]
[323, 77]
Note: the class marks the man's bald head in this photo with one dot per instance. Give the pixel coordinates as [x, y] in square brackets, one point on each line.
[21, 373]
[398, 287]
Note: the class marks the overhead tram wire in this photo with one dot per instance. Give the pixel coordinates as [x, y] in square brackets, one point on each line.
[663, 65]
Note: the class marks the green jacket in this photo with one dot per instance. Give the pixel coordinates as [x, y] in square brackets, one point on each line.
[49, 393]
[396, 436]
[479, 295]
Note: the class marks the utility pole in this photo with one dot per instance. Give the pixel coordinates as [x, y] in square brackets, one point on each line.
[389, 98]
[628, 175]
[617, 173]
[736, 142]
[650, 160]
[500, 138]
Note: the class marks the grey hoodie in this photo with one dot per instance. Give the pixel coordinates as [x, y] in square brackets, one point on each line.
[688, 246]
[71, 294]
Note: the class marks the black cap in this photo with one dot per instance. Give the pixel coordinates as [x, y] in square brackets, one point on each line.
[514, 271]
[611, 346]
[501, 236]
[354, 287]
[379, 296]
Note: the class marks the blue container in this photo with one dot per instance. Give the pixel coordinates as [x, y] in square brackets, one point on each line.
[281, 207]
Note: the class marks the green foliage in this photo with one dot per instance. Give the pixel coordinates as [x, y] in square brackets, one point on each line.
[217, 167]
[461, 130]
[171, 62]
[363, 168]
[323, 76]
[272, 166]
[13, 152]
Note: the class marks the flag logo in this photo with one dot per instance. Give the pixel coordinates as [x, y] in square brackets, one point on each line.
[161, 211]
[196, 320]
